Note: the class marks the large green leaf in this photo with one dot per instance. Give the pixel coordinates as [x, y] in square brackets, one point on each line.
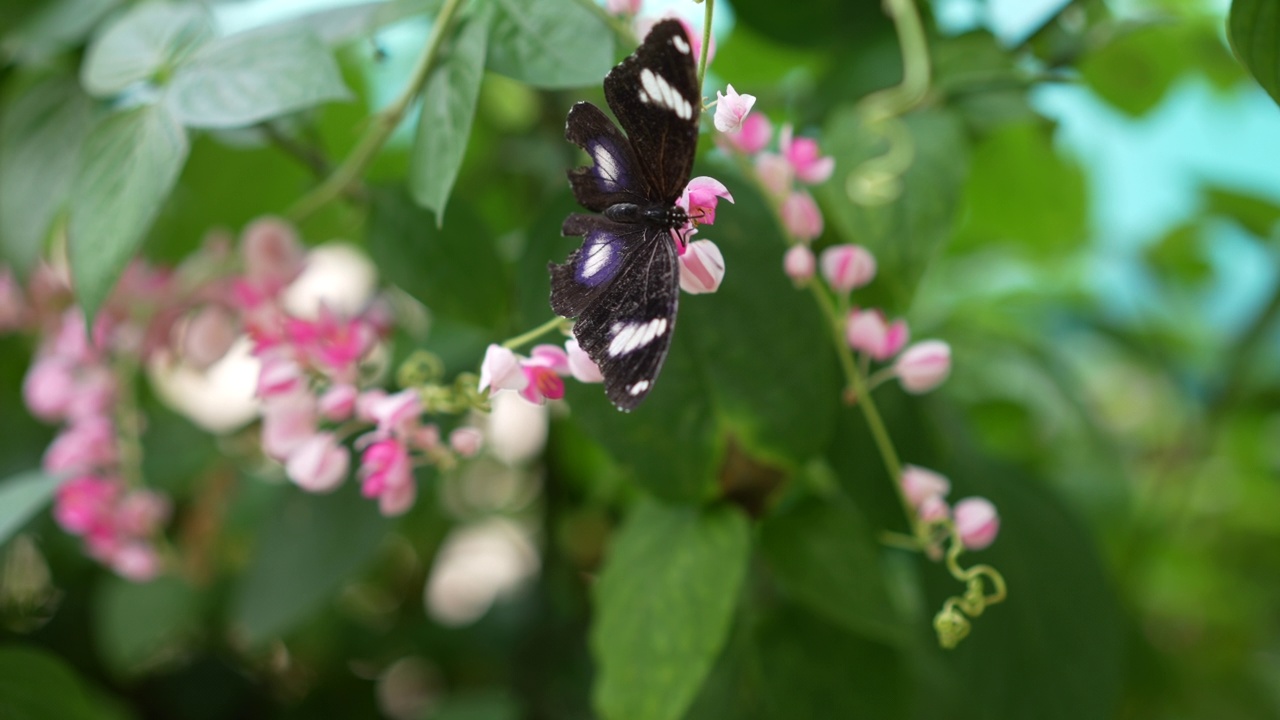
[40, 138]
[249, 77]
[138, 624]
[665, 604]
[308, 548]
[1134, 70]
[21, 497]
[35, 685]
[127, 167]
[825, 555]
[550, 43]
[448, 107]
[146, 43]
[1254, 29]
[903, 234]
[49, 29]
[454, 270]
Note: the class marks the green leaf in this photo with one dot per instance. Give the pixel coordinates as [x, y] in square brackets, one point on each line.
[454, 270]
[1254, 29]
[249, 77]
[310, 546]
[139, 624]
[344, 23]
[1134, 71]
[36, 684]
[550, 44]
[40, 139]
[478, 705]
[127, 167]
[22, 496]
[824, 554]
[52, 28]
[145, 43]
[1256, 214]
[665, 604]
[448, 107]
[905, 233]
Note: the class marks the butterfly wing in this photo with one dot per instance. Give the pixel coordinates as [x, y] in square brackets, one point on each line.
[655, 96]
[613, 176]
[623, 285]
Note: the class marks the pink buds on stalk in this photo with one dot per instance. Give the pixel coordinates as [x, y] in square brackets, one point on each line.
[847, 267]
[924, 366]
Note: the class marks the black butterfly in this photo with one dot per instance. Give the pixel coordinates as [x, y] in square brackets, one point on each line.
[623, 284]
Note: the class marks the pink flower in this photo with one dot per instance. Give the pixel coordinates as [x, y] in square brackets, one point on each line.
[287, 422]
[84, 503]
[924, 366]
[466, 441]
[13, 305]
[501, 370]
[799, 263]
[751, 137]
[136, 561]
[425, 437]
[920, 484]
[208, 336]
[273, 255]
[318, 464]
[397, 499]
[141, 513]
[551, 356]
[623, 7]
[333, 343]
[802, 154]
[774, 172]
[365, 403]
[279, 376]
[867, 331]
[49, 388]
[84, 446]
[397, 414]
[933, 509]
[386, 474]
[700, 197]
[731, 109]
[542, 375]
[581, 366]
[847, 267]
[338, 402]
[801, 216]
[977, 522]
[701, 268]
[95, 393]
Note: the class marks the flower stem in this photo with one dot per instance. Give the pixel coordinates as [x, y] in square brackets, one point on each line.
[555, 323]
[382, 126]
[706, 40]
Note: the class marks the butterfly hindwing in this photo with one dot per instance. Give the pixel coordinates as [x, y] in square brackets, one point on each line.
[655, 96]
[613, 175]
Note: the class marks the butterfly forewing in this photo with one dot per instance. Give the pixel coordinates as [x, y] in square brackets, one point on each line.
[654, 94]
[613, 175]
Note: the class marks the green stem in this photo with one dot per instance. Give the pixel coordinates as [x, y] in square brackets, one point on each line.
[902, 97]
[553, 324]
[383, 125]
[706, 41]
[129, 425]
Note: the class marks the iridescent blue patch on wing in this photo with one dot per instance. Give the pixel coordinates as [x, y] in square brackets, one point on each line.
[609, 168]
[600, 258]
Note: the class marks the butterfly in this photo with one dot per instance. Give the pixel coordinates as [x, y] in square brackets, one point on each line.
[623, 283]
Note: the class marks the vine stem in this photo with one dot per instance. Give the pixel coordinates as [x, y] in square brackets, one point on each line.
[555, 323]
[383, 124]
[706, 40]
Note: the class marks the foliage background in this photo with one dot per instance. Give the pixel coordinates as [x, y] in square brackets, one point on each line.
[1090, 221]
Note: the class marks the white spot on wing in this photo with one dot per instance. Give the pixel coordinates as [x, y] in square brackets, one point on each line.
[680, 44]
[596, 260]
[606, 164]
[637, 388]
[654, 88]
[633, 336]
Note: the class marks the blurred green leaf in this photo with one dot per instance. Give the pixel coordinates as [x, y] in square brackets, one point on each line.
[137, 624]
[249, 77]
[815, 22]
[127, 167]
[475, 705]
[40, 138]
[52, 28]
[825, 555]
[37, 685]
[550, 44]
[1135, 70]
[1254, 29]
[665, 603]
[22, 496]
[454, 270]
[305, 551]
[1179, 256]
[1257, 214]
[344, 23]
[905, 233]
[981, 81]
[145, 43]
[448, 107]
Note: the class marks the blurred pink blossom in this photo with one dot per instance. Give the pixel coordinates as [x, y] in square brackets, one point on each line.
[208, 336]
[868, 332]
[49, 387]
[701, 268]
[699, 199]
[466, 441]
[977, 522]
[752, 136]
[287, 422]
[920, 484]
[924, 366]
[731, 109]
[775, 173]
[319, 463]
[802, 153]
[581, 366]
[338, 402]
[799, 263]
[801, 216]
[501, 370]
[847, 267]
[273, 255]
[86, 445]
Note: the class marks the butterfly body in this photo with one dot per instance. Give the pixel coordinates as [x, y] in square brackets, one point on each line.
[622, 284]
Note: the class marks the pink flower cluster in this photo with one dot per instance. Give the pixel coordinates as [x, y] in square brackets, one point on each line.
[976, 521]
[539, 377]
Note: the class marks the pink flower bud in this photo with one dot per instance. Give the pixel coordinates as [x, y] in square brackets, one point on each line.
[924, 366]
[279, 376]
[799, 263]
[810, 167]
[847, 267]
[977, 522]
[208, 336]
[365, 403]
[141, 513]
[425, 437]
[752, 137]
[338, 402]
[387, 474]
[774, 172]
[88, 444]
[933, 510]
[501, 370]
[466, 441]
[731, 108]
[581, 366]
[397, 413]
[397, 499]
[701, 268]
[801, 216]
[867, 331]
[700, 197]
[136, 561]
[49, 388]
[84, 502]
[287, 422]
[920, 484]
[318, 464]
[273, 255]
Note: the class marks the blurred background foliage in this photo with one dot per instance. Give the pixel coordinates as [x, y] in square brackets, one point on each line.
[1090, 221]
